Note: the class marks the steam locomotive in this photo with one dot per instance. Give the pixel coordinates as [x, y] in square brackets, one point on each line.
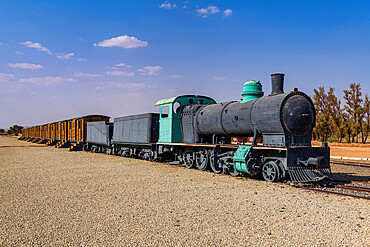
[262, 136]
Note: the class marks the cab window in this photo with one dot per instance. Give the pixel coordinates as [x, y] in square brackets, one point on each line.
[164, 111]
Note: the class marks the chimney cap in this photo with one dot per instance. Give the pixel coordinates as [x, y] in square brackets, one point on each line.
[277, 83]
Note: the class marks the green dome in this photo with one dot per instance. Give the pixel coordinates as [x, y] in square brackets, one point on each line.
[251, 90]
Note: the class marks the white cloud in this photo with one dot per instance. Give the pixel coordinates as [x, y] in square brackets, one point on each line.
[19, 53]
[122, 41]
[176, 76]
[82, 59]
[65, 56]
[46, 81]
[219, 78]
[40, 47]
[205, 12]
[37, 46]
[213, 9]
[129, 85]
[122, 65]
[98, 88]
[85, 75]
[228, 12]
[4, 76]
[25, 65]
[202, 11]
[151, 70]
[167, 5]
[120, 73]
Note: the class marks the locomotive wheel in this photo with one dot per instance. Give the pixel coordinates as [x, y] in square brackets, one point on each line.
[216, 167]
[270, 171]
[202, 159]
[231, 170]
[253, 167]
[188, 160]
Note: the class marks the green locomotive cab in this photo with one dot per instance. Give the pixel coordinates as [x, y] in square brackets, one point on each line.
[170, 115]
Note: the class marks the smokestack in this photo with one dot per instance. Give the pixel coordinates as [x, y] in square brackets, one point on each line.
[277, 83]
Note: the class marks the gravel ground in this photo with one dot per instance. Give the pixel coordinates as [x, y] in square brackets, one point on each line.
[54, 197]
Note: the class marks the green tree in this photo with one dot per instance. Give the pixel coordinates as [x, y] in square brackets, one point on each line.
[366, 117]
[15, 129]
[336, 115]
[2, 131]
[353, 107]
[320, 101]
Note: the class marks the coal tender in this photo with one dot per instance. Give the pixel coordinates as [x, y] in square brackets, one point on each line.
[284, 121]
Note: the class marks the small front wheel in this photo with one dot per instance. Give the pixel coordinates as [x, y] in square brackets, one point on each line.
[270, 171]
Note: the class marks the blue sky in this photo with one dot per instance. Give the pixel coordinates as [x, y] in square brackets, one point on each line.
[61, 59]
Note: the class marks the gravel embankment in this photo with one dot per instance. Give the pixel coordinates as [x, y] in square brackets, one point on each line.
[53, 197]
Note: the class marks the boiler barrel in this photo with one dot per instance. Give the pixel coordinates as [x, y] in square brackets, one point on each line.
[240, 119]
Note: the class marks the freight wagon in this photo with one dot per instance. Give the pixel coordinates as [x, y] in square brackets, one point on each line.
[198, 132]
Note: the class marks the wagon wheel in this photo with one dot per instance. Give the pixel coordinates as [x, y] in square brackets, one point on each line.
[147, 155]
[270, 171]
[202, 159]
[216, 166]
[188, 160]
[124, 153]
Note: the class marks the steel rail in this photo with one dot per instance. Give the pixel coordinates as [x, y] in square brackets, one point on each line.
[337, 193]
[349, 164]
[353, 188]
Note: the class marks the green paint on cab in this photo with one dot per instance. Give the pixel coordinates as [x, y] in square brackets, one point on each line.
[251, 90]
[170, 115]
[240, 157]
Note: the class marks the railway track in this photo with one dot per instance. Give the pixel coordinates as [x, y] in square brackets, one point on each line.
[351, 163]
[347, 190]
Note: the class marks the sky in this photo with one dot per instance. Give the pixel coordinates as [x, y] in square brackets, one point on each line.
[63, 59]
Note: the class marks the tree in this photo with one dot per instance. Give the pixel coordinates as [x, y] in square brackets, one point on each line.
[353, 107]
[320, 101]
[366, 115]
[2, 131]
[336, 115]
[15, 129]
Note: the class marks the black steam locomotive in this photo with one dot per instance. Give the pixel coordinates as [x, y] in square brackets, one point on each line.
[268, 136]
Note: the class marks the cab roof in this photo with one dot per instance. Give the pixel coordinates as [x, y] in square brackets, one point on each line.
[173, 99]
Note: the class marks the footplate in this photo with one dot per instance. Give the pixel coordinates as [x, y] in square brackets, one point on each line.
[300, 174]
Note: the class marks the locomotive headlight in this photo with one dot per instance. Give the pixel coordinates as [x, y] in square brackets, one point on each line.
[298, 115]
